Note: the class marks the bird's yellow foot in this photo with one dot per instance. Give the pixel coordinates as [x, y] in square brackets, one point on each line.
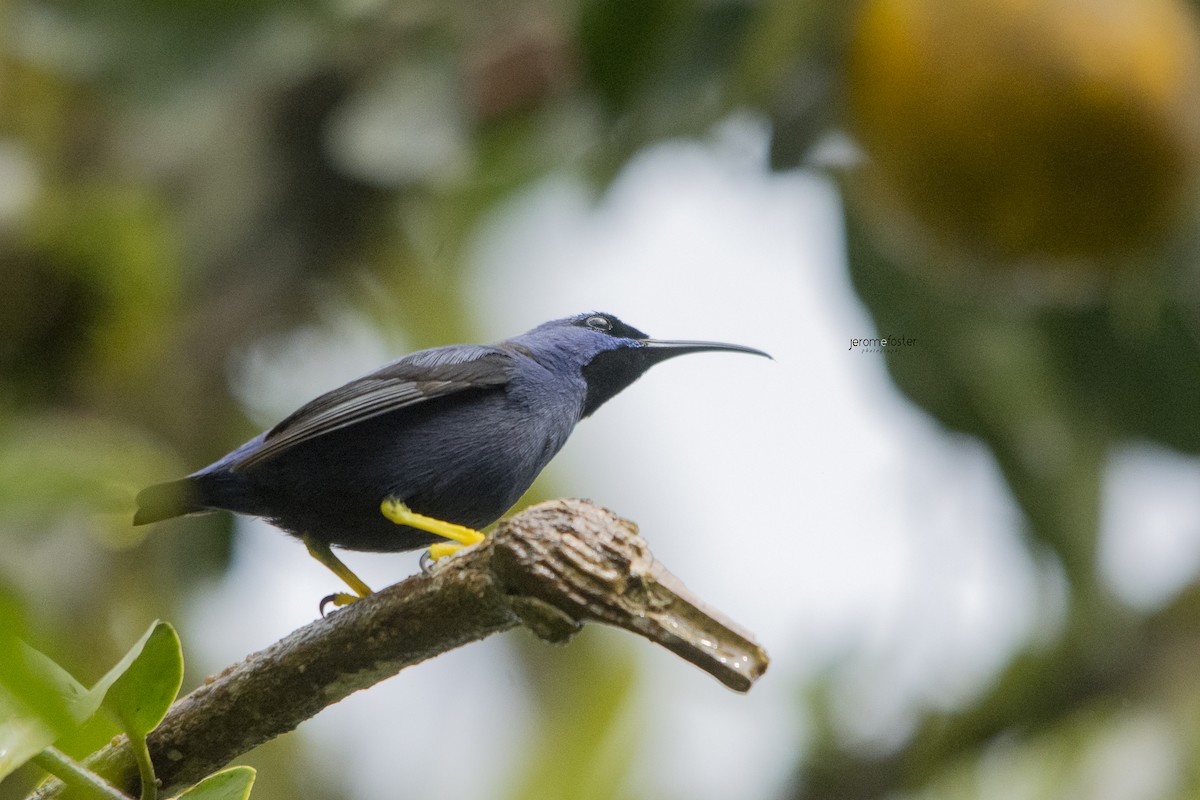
[321, 552]
[436, 551]
[460, 536]
[443, 549]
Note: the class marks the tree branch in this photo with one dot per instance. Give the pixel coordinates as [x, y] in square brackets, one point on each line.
[552, 568]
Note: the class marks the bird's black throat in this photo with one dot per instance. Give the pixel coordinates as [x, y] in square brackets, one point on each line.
[611, 371]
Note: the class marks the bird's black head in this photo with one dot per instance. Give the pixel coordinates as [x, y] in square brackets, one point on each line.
[627, 353]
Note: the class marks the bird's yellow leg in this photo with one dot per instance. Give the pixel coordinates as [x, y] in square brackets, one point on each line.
[321, 552]
[460, 536]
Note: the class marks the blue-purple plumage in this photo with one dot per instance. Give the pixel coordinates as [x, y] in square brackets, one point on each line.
[457, 433]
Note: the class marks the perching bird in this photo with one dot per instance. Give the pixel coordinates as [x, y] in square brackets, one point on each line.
[427, 448]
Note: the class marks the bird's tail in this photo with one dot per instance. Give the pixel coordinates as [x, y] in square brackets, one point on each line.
[167, 500]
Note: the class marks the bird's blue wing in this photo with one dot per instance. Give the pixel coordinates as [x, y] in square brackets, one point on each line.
[416, 378]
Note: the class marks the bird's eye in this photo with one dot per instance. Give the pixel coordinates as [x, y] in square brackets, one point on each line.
[599, 323]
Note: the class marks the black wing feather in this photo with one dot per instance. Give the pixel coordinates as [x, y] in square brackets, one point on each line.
[413, 379]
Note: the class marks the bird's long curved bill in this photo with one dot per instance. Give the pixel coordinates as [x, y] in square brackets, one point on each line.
[665, 348]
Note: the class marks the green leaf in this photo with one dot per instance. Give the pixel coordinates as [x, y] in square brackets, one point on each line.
[23, 734]
[39, 701]
[45, 688]
[139, 690]
[228, 784]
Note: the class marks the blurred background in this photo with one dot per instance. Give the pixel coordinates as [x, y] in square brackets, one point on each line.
[971, 552]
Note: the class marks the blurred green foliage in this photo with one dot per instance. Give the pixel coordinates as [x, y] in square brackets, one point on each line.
[41, 704]
[179, 180]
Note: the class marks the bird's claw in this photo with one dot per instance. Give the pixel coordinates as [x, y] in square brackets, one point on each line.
[338, 599]
[437, 552]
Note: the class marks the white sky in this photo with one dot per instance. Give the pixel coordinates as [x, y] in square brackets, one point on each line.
[803, 497]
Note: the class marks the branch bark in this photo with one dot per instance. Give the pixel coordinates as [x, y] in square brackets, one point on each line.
[552, 568]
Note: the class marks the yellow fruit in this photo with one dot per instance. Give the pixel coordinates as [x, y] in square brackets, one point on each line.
[1019, 130]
